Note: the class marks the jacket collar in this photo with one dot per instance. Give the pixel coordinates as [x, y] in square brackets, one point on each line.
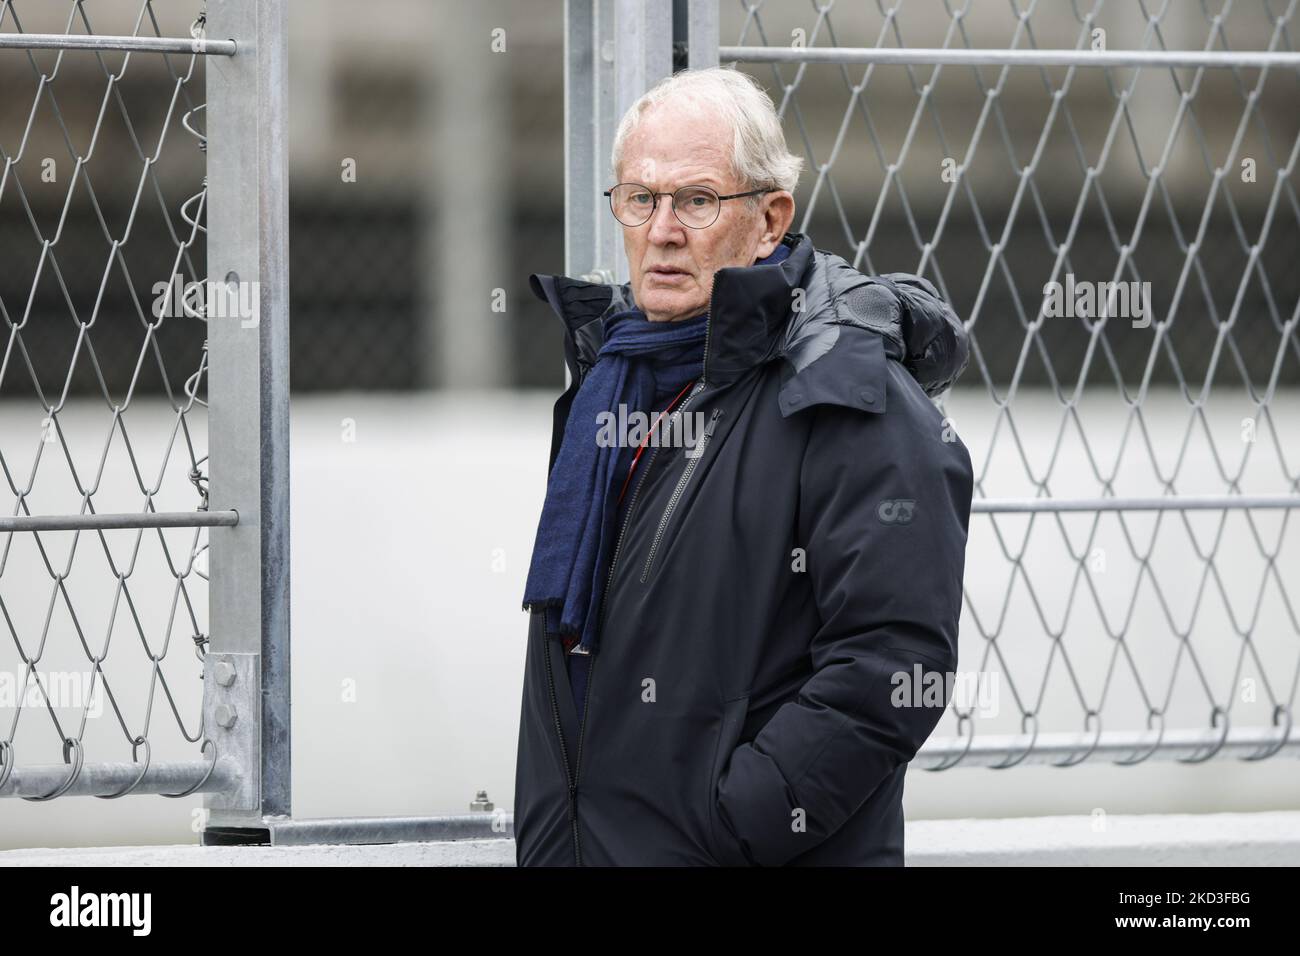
[748, 311]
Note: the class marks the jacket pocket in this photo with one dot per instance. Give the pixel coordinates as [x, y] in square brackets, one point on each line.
[723, 845]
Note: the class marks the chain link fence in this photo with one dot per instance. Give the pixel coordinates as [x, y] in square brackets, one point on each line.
[110, 494]
[106, 291]
[1131, 587]
[1105, 192]
[156, 285]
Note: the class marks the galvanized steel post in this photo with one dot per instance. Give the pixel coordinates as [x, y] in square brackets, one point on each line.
[248, 236]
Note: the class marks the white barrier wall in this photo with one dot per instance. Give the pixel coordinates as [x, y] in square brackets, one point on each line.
[410, 548]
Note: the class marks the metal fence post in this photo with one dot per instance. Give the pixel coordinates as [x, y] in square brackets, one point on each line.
[614, 50]
[247, 665]
[699, 21]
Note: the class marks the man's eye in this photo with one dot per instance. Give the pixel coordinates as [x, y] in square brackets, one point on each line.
[697, 200]
[641, 197]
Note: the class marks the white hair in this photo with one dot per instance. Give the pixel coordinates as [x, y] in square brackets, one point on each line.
[759, 155]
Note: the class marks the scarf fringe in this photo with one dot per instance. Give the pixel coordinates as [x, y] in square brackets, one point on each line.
[545, 604]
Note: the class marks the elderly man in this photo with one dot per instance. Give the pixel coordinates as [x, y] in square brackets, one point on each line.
[722, 616]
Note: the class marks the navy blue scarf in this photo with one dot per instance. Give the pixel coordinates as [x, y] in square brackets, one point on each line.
[638, 360]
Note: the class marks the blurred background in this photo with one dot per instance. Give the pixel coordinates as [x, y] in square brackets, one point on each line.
[427, 147]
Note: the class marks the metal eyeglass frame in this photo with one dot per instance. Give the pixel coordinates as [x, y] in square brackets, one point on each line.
[609, 193]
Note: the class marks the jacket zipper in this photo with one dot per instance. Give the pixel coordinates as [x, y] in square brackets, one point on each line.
[591, 666]
[677, 492]
[609, 580]
[604, 598]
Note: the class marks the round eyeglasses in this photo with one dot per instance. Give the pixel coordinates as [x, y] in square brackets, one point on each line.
[695, 206]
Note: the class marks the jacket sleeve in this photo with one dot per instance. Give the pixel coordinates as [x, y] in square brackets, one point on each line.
[884, 509]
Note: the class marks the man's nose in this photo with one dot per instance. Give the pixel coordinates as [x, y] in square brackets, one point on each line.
[664, 225]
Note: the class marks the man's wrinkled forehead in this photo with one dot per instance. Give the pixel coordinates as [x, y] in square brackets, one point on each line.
[670, 148]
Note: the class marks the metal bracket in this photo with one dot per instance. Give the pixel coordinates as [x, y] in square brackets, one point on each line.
[232, 697]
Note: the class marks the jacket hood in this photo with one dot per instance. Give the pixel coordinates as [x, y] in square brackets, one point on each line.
[834, 326]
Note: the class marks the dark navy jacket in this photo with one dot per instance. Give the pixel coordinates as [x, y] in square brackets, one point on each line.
[768, 593]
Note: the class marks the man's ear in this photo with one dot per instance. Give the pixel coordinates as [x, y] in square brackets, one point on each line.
[778, 214]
